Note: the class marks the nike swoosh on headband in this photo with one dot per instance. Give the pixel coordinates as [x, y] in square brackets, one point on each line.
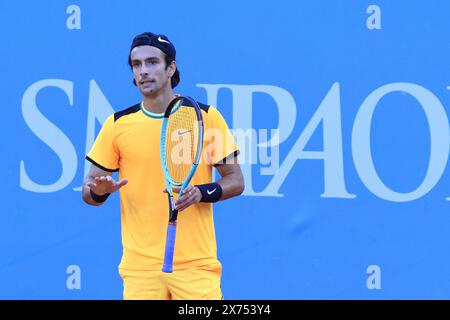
[162, 40]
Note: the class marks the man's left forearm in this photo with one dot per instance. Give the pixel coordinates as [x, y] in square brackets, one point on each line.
[232, 180]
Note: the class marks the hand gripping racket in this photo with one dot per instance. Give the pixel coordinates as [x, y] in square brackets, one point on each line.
[181, 148]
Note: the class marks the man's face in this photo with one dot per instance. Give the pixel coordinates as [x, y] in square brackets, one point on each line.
[149, 69]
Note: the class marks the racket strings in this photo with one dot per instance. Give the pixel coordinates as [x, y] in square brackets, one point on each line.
[181, 142]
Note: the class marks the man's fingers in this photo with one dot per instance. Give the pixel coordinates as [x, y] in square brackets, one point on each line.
[180, 202]
[184, 202]
[107, 183]
[188, 189]
[121, 183]
[190, 196]
[91, 185]
[176, 189]
[100, 179]
[187, 198]
[180, 206]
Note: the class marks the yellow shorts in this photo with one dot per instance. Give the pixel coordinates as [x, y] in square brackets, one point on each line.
[199, 283]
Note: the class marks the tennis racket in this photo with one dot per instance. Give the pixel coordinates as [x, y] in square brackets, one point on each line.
[181, 148]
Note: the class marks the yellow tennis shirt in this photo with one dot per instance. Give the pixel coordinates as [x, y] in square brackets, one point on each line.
[129, 142]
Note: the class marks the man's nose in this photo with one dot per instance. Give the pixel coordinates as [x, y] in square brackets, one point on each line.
[144, 70]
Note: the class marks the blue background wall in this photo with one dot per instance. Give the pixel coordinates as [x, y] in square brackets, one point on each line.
[382, 221]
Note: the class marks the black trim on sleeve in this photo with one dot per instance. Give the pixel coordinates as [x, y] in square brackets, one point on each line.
[129, 110]
[204, 107]
[100, 166]
[227, 158]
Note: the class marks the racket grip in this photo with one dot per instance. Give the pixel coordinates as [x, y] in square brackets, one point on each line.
[170, 246]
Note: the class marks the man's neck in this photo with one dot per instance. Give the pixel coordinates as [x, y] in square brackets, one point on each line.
[158, 103]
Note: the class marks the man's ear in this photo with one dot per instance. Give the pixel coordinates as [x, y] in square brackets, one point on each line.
[172, 68]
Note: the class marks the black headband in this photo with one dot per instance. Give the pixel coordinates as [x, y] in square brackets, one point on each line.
[159, 41]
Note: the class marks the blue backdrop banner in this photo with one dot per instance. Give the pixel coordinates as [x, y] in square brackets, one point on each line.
[339, 108]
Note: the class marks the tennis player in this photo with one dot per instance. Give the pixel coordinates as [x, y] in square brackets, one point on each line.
[129, 143]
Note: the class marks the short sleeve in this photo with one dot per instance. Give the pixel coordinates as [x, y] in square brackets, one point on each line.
[104, 153]
[219, 142]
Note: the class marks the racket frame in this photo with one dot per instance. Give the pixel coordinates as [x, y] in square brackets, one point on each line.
[173, 213]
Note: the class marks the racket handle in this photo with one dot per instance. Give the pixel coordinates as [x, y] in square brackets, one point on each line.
[170, 246]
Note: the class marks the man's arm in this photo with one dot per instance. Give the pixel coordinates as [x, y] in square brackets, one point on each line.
[231, 182]
[101, 183]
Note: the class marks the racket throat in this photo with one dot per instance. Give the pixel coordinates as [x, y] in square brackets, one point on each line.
[173, 213]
